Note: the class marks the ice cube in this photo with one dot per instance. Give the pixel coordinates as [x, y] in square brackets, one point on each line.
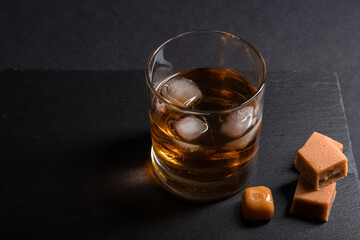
[187, 147]
[190, 127]
[245, 140]
[237, 123]
[181, 91]
[160, 105]
[257, 109]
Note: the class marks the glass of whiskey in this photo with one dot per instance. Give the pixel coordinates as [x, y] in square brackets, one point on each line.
[206, 107]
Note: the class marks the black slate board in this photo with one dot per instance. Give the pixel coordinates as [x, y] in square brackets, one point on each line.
[74, 151]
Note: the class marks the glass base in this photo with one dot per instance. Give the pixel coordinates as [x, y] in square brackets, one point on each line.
[201, 191]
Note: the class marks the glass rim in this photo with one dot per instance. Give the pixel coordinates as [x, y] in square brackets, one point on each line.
[197, 111]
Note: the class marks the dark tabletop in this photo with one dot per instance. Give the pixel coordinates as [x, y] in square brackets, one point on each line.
[74, 152]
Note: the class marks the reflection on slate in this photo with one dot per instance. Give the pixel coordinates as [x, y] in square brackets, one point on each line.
[74, 160]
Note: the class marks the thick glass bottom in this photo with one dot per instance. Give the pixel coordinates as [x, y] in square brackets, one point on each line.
[199, 190]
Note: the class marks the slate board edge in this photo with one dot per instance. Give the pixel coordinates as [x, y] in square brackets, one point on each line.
[351, 155]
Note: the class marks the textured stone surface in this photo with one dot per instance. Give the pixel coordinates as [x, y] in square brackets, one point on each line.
[74, 147]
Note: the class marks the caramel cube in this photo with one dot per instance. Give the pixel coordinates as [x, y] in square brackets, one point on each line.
[257, 203]
[321, 163]
[318, 136]
[311, 203]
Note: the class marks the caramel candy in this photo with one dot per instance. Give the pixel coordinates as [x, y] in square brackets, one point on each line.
[318, 136]
[311, 203]
[321, 163]
[257, 203]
